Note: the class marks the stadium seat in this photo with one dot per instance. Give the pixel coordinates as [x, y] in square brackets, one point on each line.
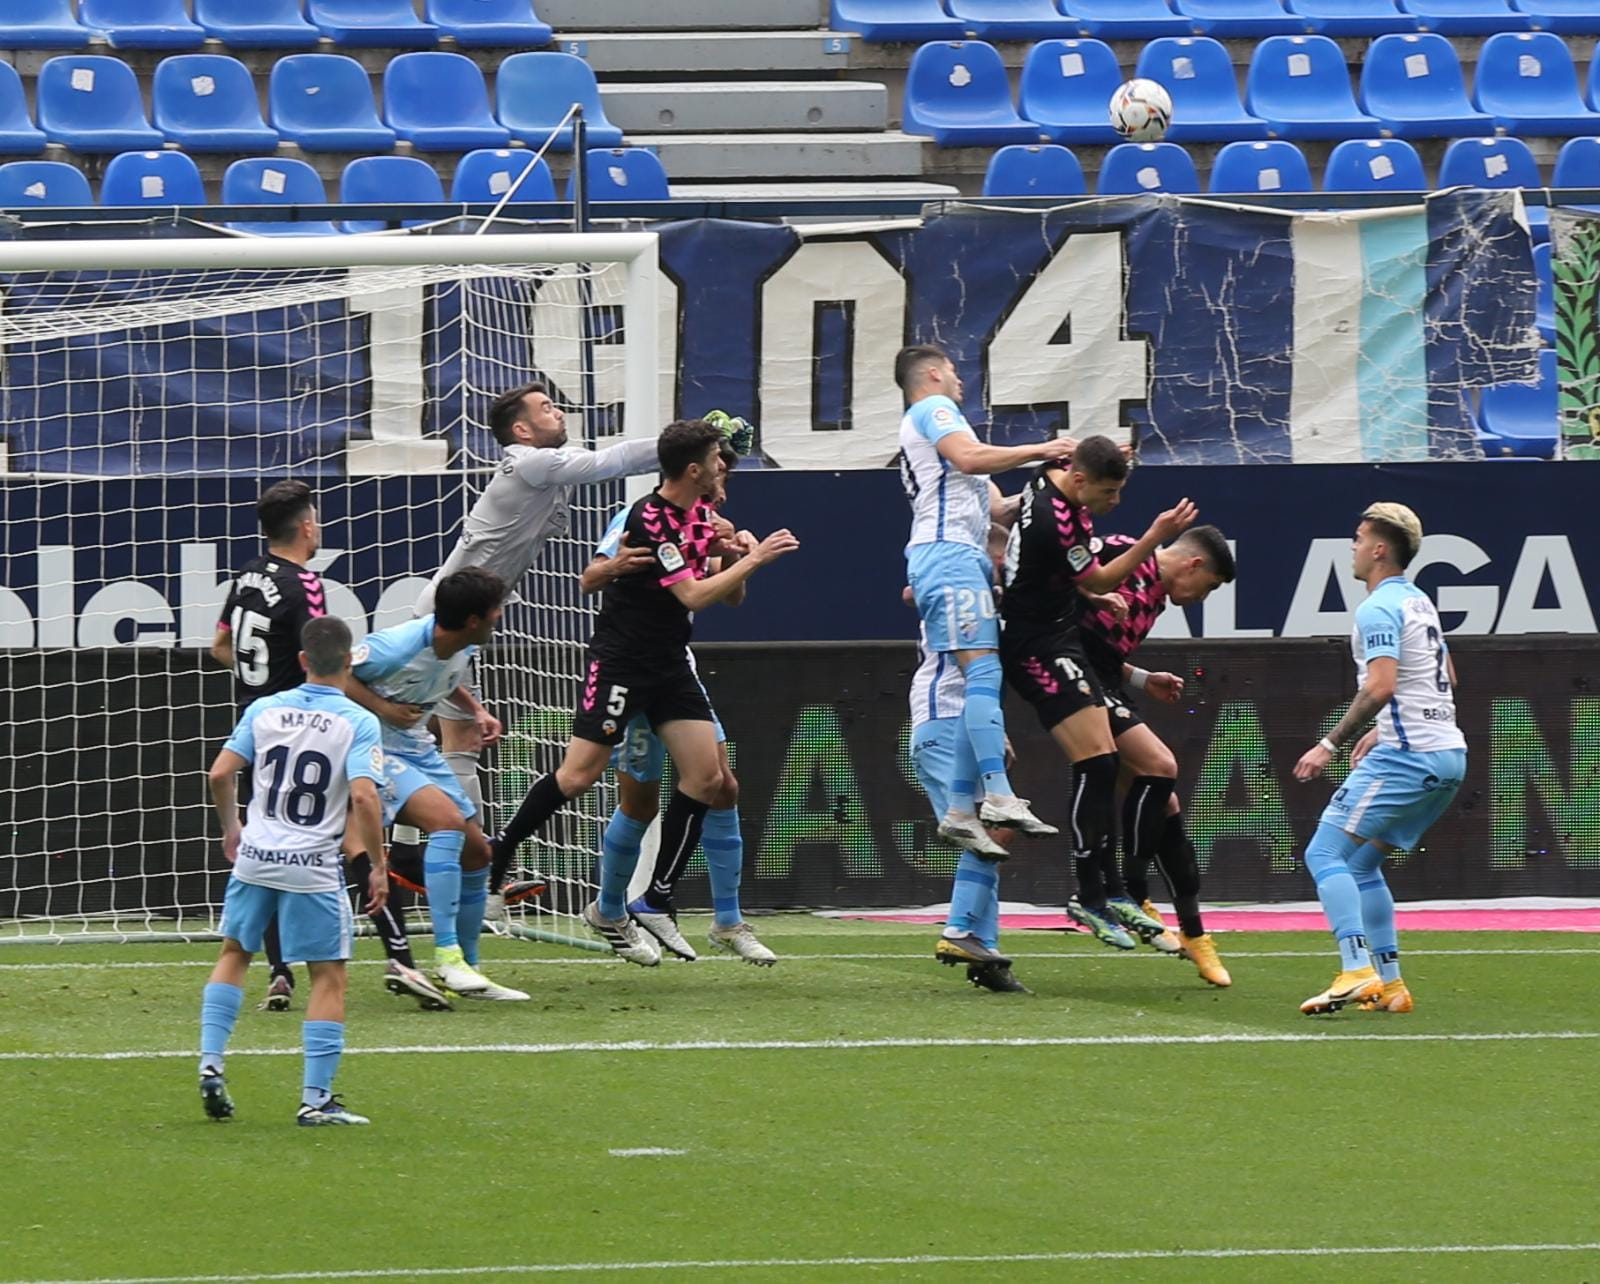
[623, 174]
[1413, 84]
[438, 102]
[1465, 17]
[1260, 167]
[533, 92]
[1544, 306]
[1524, 416]
[1034, 169]
[152, 178]
[208, 103]
[275, 180]
[888, 20]
[1300, 85]
[1374, 165]
[42, 24]
[1527, 82]
[142, 24]
[18, 135]
[1352, 17]
[498, 24]
[1570, 17]
[1066, 87]
[42, 185]
[1198, 73]
[92, 105]
[1147, 167]
[1578, 165]
[1128, 19]
[1244, 19]
[489, 174]
[958, 94]
[1495, 163]
[388, 180]
[324, 103]
[256, 24]
[1012, 19]
[368, 24]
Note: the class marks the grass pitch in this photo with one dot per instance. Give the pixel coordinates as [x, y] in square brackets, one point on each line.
[857, 1111]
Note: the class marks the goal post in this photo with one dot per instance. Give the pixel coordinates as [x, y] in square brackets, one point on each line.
[149, 389]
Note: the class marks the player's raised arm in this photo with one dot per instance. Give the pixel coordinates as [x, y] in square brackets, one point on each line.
[1172, 523]
[696, 595]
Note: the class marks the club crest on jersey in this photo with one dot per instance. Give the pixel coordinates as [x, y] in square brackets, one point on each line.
[360, 655]
[609, 726]
[1083, 686]
[670, 557]
[943, 416]
[1122, 711]
[1079, 557]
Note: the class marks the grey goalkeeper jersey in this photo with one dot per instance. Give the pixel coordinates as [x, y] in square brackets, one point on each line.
[527, 502]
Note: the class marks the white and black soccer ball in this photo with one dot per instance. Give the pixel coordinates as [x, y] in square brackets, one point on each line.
[1141, 110]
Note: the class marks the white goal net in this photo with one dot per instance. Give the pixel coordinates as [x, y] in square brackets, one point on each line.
[150, 391]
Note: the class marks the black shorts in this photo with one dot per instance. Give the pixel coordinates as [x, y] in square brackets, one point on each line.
[614, 692]
[1051, 673]
[1120, 708]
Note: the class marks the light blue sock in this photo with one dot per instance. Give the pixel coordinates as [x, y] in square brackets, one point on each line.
[324, 1041]
[219, 1011]
[970, 895]
[441, 871]
[962, 795]
[1377, 910]
[986, 729]
[987, 926]
[469, 913]
[1328, 859]
[724, 848]
[619, 857]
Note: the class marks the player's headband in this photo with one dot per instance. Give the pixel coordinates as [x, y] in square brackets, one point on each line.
[738, 433]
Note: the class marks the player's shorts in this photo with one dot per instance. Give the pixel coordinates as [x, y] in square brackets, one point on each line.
[641, 754]
[933, 755]
[1050, 672]
[613, 695]
[1120, 708]
[404, 774]
[313, 927]
[1396, 794]
[953, 585]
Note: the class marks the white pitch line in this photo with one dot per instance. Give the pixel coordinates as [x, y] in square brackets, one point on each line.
[811, 1263]
[632, 1152]
[833, 1045]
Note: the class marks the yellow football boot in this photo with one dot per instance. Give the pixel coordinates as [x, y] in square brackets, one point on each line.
[1202, 952]
[1395, 998]
[1348, 987]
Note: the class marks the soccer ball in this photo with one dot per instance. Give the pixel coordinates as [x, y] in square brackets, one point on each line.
[1141, 110]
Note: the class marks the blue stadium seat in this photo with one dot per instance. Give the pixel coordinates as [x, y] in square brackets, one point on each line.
[1034, 169]
[1147, 167]
[533, 92]
[1066, 88]
[1495, 163]
[1570, 17]
[18, 136]
[1244, 19]
[438, 102]
[489, 174]
[1352, 17]
[478, 24]
[324, 103]
[1524, 416]
[1260, 167]
[92, 105]
[1012, 19]
[142, 24]
[1544, 306]
[43, 24]
[1374, 165]
[1198, 73]
[1465, 17]
[367, 24]
[208, 103]
[1578, 165]
[42, 185]
[1527, 82]
[275, 180]
[958, 94]
[152, 178]
[623, 174]
[1127, 19]
[889, 20]
[1300, 85]
[256, 24]
[1413, 84]
[388, 180]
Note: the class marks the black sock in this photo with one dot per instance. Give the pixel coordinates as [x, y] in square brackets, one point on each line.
[1144, 816]
[405, 859]
[1175, 855]
[680, 835]
[1094, 824]
[390, 921]
[274, 950]
[544, 800]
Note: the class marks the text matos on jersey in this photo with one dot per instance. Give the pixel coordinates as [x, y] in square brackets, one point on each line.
[400, 664]
[305, 747]
[947, 506]
[268, 603]
[1399, 620]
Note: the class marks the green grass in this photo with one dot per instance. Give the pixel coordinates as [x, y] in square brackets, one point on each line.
[498, 1158]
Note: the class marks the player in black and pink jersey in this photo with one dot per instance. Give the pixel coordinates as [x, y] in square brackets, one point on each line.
[1182, 573]
[1050, 566]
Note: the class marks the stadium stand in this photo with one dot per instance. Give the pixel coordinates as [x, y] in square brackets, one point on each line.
[372, 24]
[1065, 87]
[1275, 166]
[280, 180]
[1198, 73]
[92, 104]
[1137, 168]
[1300, 85]
[1527, 82]
[208, 103]
[1519, 419]
[1374, 165]
[152, 178]
[1544, 308]
[42, 185]
[489, 174]
[894, 20]
[1495, 163]
[475, 24]
[142, 24]
[1465, 17]
[438, 102]
[1578, 165]
[1011, 19]
[18, 136]
[1247, 18]
[1036, 169]
[534, 91]
[42, 24]
[623, 174]
[958, 94]
[1352, 17]
[1129, 19]
[256, 24]
[381, 180]
[1413, 83]
[1569, 17]
[324, 103]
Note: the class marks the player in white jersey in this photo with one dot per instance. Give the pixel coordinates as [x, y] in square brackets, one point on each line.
[317, 761]
[1405, 771]
[945, 471]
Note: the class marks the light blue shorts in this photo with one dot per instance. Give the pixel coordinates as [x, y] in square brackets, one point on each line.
[313, 927]
[404, 774]
[641, 754]
[953, 585]
[1396, 794]
[933, 754]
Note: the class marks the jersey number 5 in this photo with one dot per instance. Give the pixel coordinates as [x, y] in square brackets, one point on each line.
[249, 647]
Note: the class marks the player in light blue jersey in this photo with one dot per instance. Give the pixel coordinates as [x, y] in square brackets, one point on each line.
[317, 760]
[401, 674]
[1405, 771]
[945, 469]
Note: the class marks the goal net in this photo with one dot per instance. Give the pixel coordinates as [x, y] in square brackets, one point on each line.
[151, 389]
